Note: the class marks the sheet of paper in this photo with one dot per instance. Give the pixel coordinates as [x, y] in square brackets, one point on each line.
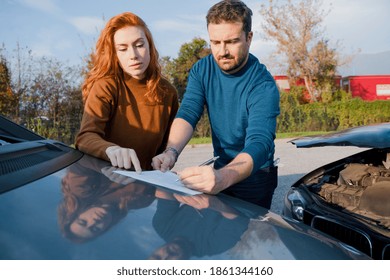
[164, 179]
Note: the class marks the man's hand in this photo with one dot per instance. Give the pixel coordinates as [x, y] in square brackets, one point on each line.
[203, 201]
[123, 158]
[199, 201]
[165, 161]
[211, 181]
[202, 178]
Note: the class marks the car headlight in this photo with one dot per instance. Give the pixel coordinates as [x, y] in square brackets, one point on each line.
[295, 204]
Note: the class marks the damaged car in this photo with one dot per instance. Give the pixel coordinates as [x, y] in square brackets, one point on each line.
[348, 199]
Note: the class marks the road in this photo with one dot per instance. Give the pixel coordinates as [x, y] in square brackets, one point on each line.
[294, 162]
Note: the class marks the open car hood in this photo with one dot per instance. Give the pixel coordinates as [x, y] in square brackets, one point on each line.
[368, 136]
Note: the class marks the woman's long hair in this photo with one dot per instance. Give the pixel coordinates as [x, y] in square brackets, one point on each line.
[105, 62]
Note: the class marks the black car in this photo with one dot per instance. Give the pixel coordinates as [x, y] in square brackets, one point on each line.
[57, 203]
[348, 199]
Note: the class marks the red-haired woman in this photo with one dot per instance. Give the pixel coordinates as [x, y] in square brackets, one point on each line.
[129, 107]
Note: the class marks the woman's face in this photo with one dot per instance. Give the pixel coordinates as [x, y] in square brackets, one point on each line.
[132, 50]
[91, 222]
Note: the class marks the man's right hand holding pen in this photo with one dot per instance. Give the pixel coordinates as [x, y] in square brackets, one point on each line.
[204, 178]
[207, 162]
[208, 180]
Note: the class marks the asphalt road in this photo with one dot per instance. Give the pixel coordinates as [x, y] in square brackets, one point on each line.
[293, 164]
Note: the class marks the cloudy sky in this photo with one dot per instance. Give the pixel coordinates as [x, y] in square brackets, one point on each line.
[68, 29]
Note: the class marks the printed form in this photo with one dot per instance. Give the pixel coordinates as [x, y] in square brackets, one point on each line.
[167, 180]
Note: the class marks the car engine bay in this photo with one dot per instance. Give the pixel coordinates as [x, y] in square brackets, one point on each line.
[360, 186]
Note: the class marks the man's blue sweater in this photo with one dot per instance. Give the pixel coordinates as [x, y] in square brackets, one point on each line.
[242, 109]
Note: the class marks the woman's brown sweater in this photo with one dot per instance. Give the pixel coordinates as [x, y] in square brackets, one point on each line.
[119, 113]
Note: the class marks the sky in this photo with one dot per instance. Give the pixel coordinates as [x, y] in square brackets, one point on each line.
[68, 29]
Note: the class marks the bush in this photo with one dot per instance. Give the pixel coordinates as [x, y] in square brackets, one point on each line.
[339, 112]
[335, 115]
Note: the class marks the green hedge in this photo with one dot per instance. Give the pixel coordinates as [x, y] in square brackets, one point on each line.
[331, 116]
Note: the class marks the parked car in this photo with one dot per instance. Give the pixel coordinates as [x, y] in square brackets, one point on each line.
[348, 199]
[58, 203]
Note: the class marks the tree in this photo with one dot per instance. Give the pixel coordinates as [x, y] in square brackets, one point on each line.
[297, 30]
[41, 93]
[54, 98]
[7, 98]
[178, 69]
[17, 75]
[167, 68]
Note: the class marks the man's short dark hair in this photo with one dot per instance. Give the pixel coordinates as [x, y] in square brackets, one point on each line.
[231, 11]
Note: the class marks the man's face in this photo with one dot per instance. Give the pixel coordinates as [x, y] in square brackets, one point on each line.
[229, 45]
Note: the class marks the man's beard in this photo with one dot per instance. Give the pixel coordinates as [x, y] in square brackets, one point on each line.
[234, 67]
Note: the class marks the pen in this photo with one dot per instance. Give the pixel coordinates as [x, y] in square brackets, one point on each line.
[209, 161]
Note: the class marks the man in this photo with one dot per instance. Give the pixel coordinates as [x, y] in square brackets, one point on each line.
[242, 101]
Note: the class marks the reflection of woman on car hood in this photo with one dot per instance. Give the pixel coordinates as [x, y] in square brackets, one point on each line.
[92, 203]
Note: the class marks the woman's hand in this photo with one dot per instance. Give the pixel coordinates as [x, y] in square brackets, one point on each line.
[108, 171]
[123, 158]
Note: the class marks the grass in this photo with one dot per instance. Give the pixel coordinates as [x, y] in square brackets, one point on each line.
[200, 140]
[299, 134]
[207, 140]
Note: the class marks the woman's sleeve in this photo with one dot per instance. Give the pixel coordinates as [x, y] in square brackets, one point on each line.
[98, 110]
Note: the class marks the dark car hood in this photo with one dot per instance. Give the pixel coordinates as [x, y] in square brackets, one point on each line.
[369, 136]
[36, 221]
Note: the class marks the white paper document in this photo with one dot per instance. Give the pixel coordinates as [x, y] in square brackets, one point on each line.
[163, 179]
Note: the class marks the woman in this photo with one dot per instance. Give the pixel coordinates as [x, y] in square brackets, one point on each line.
[129, 106]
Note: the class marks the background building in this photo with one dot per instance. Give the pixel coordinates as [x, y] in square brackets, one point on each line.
[367, 87]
